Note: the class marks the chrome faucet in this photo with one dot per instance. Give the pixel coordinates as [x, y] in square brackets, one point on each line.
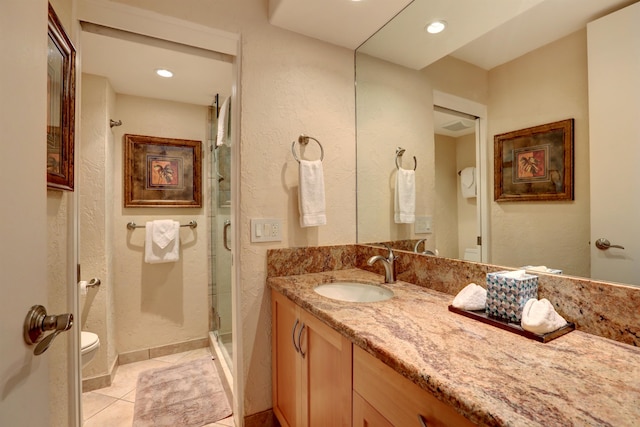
[387, 263]
[426, 251]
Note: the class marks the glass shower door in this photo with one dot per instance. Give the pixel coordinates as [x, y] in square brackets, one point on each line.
[221, 248]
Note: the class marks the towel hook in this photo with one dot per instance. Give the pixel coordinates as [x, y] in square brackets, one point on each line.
[304, 140]
[399, 152]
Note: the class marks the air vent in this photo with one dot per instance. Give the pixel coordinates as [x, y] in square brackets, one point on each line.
[458, 125]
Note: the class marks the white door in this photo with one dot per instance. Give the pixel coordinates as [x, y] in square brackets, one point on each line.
[614, 135]
[24, 378]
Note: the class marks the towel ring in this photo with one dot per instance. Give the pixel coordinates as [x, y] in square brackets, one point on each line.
[399, 152]
[304, 140]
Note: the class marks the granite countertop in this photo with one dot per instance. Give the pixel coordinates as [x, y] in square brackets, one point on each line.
[492, 377]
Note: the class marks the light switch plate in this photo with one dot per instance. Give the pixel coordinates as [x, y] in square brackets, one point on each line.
[266, 230]
[423, 225]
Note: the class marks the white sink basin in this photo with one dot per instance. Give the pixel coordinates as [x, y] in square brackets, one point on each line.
[353, 292]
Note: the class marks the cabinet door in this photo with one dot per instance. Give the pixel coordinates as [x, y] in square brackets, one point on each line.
[365, 415]
[285, 360]
[326, 377]
[397, 399]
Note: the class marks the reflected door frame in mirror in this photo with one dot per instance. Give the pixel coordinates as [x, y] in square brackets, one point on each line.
[478, 110]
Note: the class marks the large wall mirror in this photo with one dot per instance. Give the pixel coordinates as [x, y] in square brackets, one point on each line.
[499, 66]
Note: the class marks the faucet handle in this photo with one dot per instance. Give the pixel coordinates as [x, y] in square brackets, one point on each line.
[391, 256]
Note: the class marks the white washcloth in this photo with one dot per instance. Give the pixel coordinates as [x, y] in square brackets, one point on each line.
[471, 297]
[162, 243]
[311, 194]
[405, 197]
[222, 133]
[540, 317]
[468, 182]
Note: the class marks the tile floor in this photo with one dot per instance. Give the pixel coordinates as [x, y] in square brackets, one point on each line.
[113, 406]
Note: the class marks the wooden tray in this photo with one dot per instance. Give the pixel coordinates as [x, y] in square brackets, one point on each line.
[513, 327]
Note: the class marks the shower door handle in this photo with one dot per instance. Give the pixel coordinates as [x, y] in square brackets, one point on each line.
[225, 231]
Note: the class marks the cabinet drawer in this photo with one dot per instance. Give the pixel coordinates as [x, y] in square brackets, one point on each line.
[396, 398]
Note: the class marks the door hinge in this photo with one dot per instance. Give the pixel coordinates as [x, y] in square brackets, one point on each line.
[479, 240]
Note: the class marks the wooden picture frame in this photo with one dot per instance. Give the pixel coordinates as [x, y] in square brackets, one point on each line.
[61, 77]
[535, 164]
[162, 172]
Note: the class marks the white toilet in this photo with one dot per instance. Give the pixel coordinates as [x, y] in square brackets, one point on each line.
[89, 343]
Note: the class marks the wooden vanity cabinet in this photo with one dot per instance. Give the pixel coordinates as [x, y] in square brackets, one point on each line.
[389, 399]
[311, 368]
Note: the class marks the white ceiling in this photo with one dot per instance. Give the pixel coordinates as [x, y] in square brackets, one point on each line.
[483, 32]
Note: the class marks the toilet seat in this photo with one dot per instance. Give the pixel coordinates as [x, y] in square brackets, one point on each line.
[88, 341]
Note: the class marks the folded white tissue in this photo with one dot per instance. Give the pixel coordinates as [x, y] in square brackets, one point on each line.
[540, 317]
[471, 297]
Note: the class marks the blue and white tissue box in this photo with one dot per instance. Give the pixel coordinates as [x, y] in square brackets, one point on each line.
[508, 292]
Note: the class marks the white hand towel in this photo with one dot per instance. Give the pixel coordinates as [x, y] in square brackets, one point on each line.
[405, 197]
[540, 317]
[162, 242]
[471, 297]
[311, 194]
[222, 133]
[468, 182]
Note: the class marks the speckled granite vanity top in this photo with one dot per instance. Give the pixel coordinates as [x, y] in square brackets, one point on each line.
[492, 377]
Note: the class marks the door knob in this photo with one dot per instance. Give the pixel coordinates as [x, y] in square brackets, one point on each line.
[605, 244]
[38, 322]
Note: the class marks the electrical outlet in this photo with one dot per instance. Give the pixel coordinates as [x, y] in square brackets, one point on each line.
[423, 224]
[266, 230]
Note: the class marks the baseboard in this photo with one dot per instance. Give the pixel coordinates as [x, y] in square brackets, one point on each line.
[100, 381]
[163, 350]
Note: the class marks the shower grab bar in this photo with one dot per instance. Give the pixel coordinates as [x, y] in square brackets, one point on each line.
[304, 140]
[132, 225]
[399, 152]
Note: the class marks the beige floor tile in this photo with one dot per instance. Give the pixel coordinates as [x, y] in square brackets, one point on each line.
[120, 414]
[227, 422]
[92, 403]
[130, 397]
[194, 354]
[127, 377]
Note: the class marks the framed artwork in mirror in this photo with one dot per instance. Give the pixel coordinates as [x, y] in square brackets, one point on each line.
[162, 172]
[61, 76]
[534, 163]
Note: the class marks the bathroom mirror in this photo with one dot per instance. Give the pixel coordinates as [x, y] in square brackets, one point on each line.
[523, 81]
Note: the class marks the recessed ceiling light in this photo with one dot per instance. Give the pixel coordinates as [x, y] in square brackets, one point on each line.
[436, 27]
[164, 73]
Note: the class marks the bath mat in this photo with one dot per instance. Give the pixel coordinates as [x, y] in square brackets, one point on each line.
[184, 394]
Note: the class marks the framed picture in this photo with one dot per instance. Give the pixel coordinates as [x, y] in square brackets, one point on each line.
[162, 172]
[534, 163]
[61, 76]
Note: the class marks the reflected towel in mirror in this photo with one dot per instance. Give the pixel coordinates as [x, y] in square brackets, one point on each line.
[405, 197]
[468, 182]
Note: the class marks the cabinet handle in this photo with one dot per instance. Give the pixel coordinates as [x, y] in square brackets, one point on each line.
[300, 340]
[293, 336]
[423, 422]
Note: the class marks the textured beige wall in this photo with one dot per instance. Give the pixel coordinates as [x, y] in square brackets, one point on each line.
[291, 84]
[95, 186]
[467, 208]
[395, 109]
[445, 219]
[158, 304]
[544, 86]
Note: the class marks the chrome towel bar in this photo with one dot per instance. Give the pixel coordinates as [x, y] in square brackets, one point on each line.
[132, 225]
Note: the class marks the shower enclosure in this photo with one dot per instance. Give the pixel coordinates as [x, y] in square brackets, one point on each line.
[220, 251]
